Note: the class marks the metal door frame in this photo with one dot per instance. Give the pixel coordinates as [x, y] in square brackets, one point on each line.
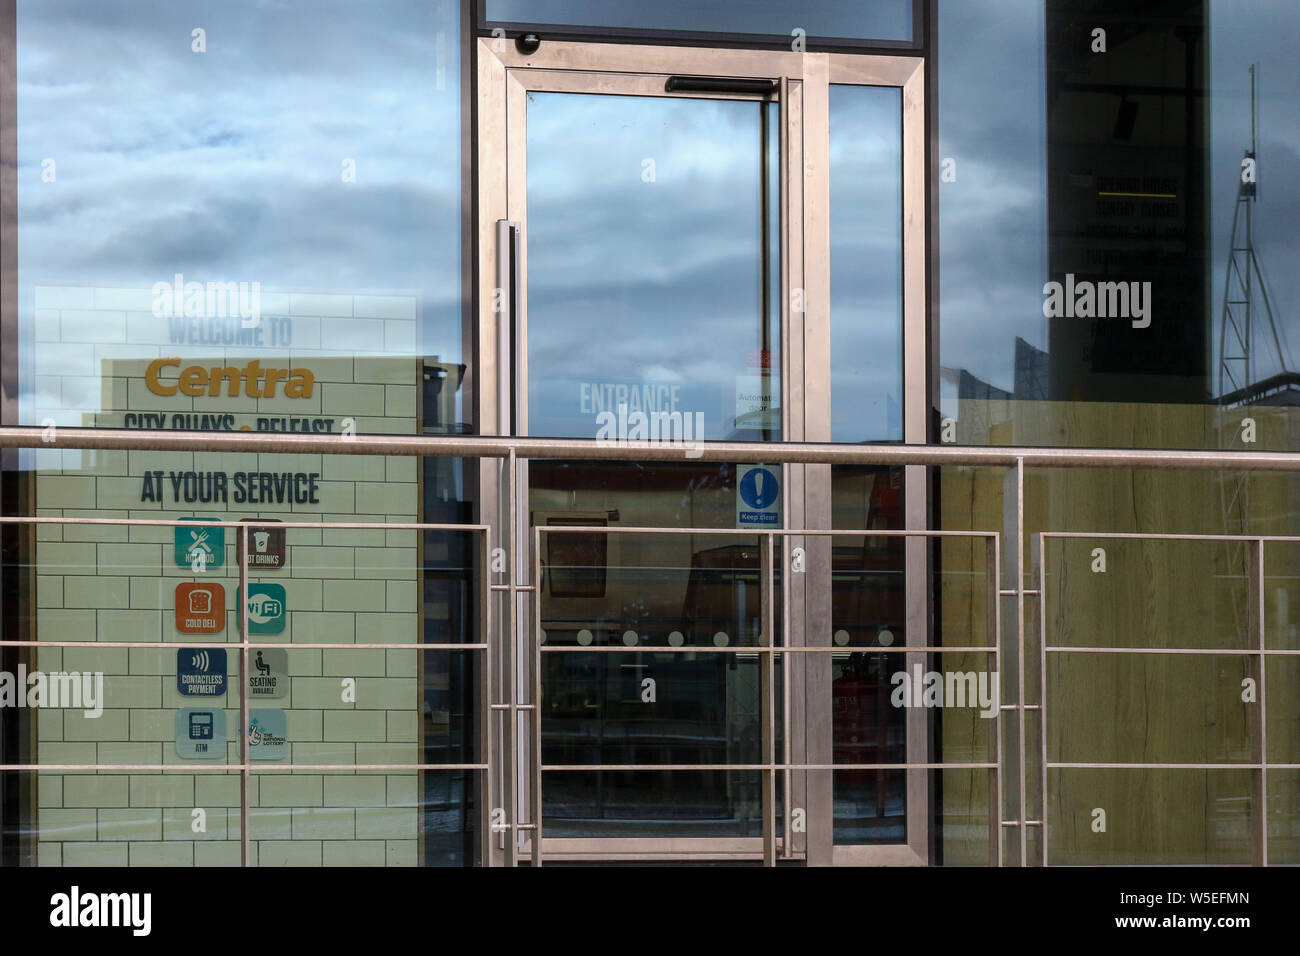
[504, 77]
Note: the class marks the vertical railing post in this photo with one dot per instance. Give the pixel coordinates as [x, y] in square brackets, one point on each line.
[767, 704]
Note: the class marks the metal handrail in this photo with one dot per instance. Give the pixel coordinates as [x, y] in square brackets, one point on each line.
[461, 446]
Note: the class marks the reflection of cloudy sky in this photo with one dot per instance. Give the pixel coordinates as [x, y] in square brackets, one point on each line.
[992, 121]
[993, 239]
[641, 282]
[226, 165]
[866, 263]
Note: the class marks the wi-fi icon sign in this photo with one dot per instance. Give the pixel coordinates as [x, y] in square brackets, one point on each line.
[199, 661]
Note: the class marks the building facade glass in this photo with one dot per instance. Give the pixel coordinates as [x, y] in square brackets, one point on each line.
[470, 433]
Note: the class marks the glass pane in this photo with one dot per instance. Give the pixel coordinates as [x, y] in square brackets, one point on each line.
[866, 150]
[652, 267]
[881, 19]
[701, 592]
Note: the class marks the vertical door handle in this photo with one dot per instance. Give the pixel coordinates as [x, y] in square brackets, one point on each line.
[506, 305]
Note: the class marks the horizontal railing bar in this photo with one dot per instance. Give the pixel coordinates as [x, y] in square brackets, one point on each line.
[1211, 652]
[465, 446]
[760, 532]
[236, 645]
[1153, 536]
[771, 766]
[1055, 765]
[229, 767]
[277, 525]
[512, 707]
[757, 649]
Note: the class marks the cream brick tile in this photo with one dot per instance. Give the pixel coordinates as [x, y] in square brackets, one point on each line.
[403, 790]
[304, 725]
[120, 558]
[133, 625]
[387, 753]
[323, 627]
[110, 725]
[389, 627]
[353, 853]
[110, 660]
[98, 790]
[50, 658]
[158, 790]
[64, 297]
[49, 725]
[97, 592]
[92, 325]
[95, 854]
[322, 562]
[355, 596]
[386, 823]
[66, 359]
[151, 660]
[49, 854]
[399, 336]
[317, 692]
[320, 304]
[401, 468]
[305, 663]
[400, 400]
[323, 823]
[325, 753]
[157, 724]
[352, 335]
[62, 624]
[401, 595]
[152, 593]
[162, 854]
[304, 595]
[290, 790]
[65, 492]
[136, 823]
[289, 853]
[352, 468]
[352, 663]
[385, 306]
[121, 493]
[403, 853]
[66, 558]
[270, 823]
[403, 726]
[116, 752]
[112, 534]
[49, 791]
[134, 692]
[355, 792]
[67, 825]
[333, 497]
[47, 325]
[52, 752]
[124, 299]
[351, 400]
[354, 537]
[178, 824]
[140, 399]
[218, 854]
[361, 725]
[385, 370]
[399, 663]
[386, 563]
[216, 790]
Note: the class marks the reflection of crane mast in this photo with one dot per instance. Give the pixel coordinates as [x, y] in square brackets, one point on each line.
[1245, 281]
[1246, 306]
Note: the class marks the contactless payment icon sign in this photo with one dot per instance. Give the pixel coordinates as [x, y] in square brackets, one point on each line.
[266, 608]
[201, 671]
[199, 548]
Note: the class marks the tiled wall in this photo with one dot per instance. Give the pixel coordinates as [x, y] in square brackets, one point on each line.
[102, 583]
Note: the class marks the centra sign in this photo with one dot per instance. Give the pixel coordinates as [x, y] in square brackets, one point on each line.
[257, 382]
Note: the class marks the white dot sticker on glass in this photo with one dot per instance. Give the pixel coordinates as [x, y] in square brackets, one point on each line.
[886, 637]
[676, 639]
[841, 637]
[584, 637]
[721, 639]
[629, 639]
